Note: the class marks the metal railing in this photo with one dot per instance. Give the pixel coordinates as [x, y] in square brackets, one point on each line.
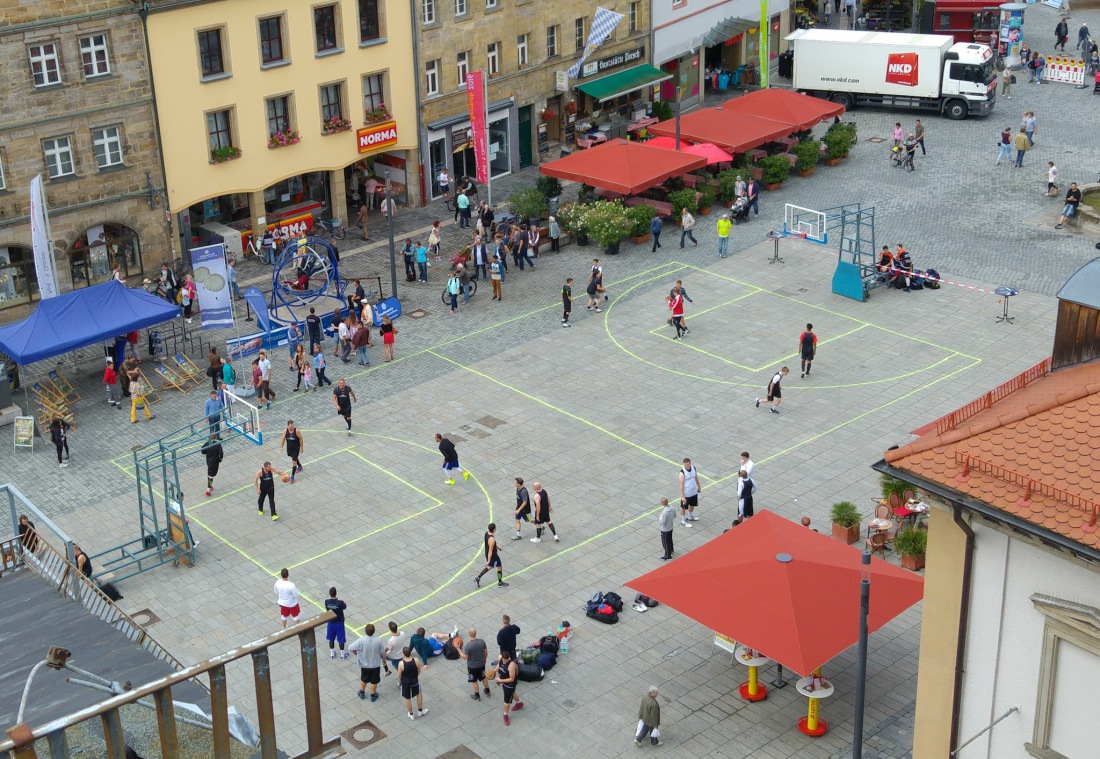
[1028, 484]
[11, 555]
[43, 525]
[1020, 381]
[22, 738]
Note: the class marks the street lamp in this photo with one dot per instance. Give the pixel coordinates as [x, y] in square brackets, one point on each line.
[861, 658]
[393, 253]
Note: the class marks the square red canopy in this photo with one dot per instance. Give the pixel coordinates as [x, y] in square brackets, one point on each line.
[623, 167]
[735, 132]
[781, 589]
[785, 107]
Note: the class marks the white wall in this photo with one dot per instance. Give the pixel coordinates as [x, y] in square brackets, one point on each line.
[677, 31]
[1005, 639]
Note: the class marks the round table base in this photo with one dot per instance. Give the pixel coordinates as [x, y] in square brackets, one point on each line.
[761, 692]
[822, 727]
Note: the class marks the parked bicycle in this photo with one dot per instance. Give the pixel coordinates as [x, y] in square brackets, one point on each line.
[473, 292]
[257, 249]
[324, 228]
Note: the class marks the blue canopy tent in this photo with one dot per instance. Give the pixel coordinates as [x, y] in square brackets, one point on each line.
[82, 317]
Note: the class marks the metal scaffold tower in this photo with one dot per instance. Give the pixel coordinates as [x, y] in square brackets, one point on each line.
[853, 225]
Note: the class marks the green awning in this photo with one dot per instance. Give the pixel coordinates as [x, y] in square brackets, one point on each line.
[615, 85]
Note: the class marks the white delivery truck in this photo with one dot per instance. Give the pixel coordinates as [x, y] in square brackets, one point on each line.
[923, 71]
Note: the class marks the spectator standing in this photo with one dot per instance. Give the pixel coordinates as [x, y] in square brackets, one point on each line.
[745, 490]
[435, 237]
[918, 133]
[360, 340]
[507, 635]
[389, 332]
[313, 328]
[394, 646]
[361, 219]
[286, 593]
[899, 135]
[231, 275]
[555, 235]
[408, 674]
[187, 297]
[496, 276]
[58, 429]
[212, 409]
[567, 301]
[110, 379]
[409, 255]
[507, 677]
[475, 653]
[422, 261]
[462, 205]
[1007, 80]
[479, 255]
[724, 227]
[368, 654]
[335, 632]
[666, 521]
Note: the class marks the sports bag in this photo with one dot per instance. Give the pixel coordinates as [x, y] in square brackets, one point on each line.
[614, 600]
[530, 673]
[528, 655]
[603, 613]
[932, 279]
[546, 660]
[645, 601]
[548, 644]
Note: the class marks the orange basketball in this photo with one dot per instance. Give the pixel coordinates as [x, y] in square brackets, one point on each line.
[286, 478]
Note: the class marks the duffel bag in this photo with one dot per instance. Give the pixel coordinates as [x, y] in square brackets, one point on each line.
[546, 660]
[530, 673]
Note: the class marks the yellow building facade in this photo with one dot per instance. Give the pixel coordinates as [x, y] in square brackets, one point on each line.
[278, 113]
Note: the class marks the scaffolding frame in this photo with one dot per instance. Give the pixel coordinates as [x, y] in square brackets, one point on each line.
[856, 274]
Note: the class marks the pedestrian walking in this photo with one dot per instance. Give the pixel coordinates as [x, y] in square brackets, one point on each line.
[690, 488]
[435, 238]
[212, 409]
[394, 646]
[335, 632]
[453, 285]
[807, 348]
[540, 501]
[918, 135]
[295, 443]
[1022, 145]
[343, 335]
[899, 135]
[188, 294]
[59, 429]
[507, 635]
[360, 340]
[666, 521]
[313, 329]
[1052, 179]
[775, 390]
[752, 190]
[687, 224]
[1083, 40]
[319, 365]
[388, 331]
[286, 594]
[507, 677]
[675, 303]
[462, 209]
[1031, 127]
[368, 655]
[496, 276]
[265, 374]
[229, 375]
[523, 508]
[745, 490]
[408, 673]
[450, 459]
[307, 374]
[342, 398]
[475, 653]
[214, 454]
[464, 282]
[110, 379]
[264, 484]
[1004, 147]
[1061, 34]
[492, 557]
[724, 227]
[655, 230]
[649, 717]
[138, 401]
[566, 301]
[361, 219]
[1007, 80]
[258, 381]
[596, 291]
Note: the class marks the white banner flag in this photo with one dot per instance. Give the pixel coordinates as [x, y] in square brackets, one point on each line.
[40, 241]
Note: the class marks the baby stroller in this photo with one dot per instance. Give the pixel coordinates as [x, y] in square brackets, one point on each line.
[1096, 87]
[739, 211]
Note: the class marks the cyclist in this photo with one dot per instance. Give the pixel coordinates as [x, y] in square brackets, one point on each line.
[910, 151]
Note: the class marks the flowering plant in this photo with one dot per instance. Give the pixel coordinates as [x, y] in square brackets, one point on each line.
[335, 124]
[221, 155]
[378, 115]
[607, 222]
[571, 107]
[283, 138]
[547, 114]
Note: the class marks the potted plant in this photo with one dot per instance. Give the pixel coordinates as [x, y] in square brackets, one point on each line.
[911, 544]
[640, 218]
[583, 192]
[662, 110]
[335, 124]
[570, 107]
[727, 182]
[892, 486]
[550, 188]
[681, 199]
[607, 224]
[845, 518]
[283, 138]
[377, 115]
[776, 169]
[838, 141]
[227, 153]
[572, 218]
[547, 114]
[706, 201]
[808, 153]
[527, 204]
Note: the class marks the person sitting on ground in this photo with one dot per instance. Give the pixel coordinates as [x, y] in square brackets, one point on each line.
[427, 646]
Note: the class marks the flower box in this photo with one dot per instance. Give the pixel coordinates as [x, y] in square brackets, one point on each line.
[221, 155]
[378, 115]
[335, 125]
[283, 139]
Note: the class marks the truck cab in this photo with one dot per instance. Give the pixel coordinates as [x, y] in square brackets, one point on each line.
[968, 73]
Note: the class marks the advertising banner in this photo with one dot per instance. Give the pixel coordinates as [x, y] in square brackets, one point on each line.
[40, 241]
[212, 286]
[479, 130]
[390, 307]
[256, 299]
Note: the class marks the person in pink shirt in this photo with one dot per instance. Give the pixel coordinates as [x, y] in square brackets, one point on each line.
[899, 135]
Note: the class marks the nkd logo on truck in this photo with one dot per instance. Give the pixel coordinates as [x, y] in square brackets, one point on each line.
[901, 68]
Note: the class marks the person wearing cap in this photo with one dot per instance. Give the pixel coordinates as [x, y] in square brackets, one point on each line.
[739, 187]
[724, 226]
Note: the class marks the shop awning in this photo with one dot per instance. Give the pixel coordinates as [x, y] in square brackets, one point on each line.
[623, 167]
[728, 29]
[616, 85]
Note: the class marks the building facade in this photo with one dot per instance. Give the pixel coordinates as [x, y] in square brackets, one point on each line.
[78, 110]
[525, 49]
[274, 114]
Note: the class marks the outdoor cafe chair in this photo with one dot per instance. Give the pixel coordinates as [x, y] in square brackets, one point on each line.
[877, 542]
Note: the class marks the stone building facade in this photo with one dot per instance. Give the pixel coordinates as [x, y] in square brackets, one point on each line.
[525, 48]
[78, 109]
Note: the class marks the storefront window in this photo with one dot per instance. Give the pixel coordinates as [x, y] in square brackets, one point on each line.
[95, 253]
[18, 281]
[499, 158]
[301, 189]
[437, 156]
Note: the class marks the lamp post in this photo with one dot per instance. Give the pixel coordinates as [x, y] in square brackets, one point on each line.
[861, 657]
[389, 224]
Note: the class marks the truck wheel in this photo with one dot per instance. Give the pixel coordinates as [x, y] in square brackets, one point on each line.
[844, 99]
[955, 109]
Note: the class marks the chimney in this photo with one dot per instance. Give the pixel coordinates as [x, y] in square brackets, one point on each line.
[1077, 331]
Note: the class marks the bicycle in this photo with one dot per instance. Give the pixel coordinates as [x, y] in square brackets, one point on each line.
[333, 228]
[902, 157]
[259, 251]
[447, 295]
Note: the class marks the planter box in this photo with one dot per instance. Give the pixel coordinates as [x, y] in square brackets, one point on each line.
[581, 240]
[640, 239]
[913, 563]
[847, 535]
[805, 172]
[612, 249]
[773, 187]
[705, 211]
[833, 161]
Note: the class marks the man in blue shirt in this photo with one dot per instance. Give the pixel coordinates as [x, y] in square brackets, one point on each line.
[335, 631]
[213, 411]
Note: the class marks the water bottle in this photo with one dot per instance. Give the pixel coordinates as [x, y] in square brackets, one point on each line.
[564, 645]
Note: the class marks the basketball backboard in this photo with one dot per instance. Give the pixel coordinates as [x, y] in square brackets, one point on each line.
[242, 416]
[805, 223]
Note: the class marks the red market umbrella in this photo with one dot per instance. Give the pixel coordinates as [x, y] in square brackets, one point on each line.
[782, 589]
[735, 132]
[668, 143]
[622, 166]
[785, 107]
[712, 153]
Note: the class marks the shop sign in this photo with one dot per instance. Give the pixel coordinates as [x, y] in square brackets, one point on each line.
[613, 61]
[475, 100]
[377, 136]
[561, 81]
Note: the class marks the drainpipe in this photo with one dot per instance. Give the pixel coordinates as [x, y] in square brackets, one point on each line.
[419, 113]
[964, 621]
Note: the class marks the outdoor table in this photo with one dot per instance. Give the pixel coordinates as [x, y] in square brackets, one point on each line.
[814, 688]
[790, 157]
[878, 525]
[776, 237]
[910, 510]
[1006, 293]
[756, 154]
[753, 690]
[786, 142]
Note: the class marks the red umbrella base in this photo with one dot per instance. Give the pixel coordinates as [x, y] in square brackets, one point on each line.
[761, 692]
[822, 728]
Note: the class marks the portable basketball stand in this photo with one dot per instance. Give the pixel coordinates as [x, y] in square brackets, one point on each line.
[856, 271]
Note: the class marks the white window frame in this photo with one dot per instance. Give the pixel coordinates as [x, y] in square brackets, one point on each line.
[492, 58]
[92, 47]
[427, 9]
[461, 8]
[431, 78]
[45, 55]
[490, 4]
[58, 150]
[632, 17]
[107, 143]
[462, 65]
[523, 56]
[578, 32]
[552, 41]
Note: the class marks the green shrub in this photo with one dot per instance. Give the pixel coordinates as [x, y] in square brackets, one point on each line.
[776, 169]
[709, 194]
[583, 193]
[640, 217]
[674, 183]
[527, 203]
[727, 182]
[808, 153]
[571, 217]
[837, 144]
[911, 542]
[682, 199]
[891, 486]
[607, 222]
[550, 187]
[662, 110]
[845, 514]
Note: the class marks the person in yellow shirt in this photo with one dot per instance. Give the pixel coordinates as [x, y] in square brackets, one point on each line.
[724, 226]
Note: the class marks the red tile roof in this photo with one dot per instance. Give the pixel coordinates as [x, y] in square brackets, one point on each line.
[1029, 453]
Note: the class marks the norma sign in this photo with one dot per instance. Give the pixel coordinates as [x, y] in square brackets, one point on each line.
[901, 68]
[377, 136]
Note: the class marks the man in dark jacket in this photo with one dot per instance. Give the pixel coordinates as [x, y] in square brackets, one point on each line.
[214, 455]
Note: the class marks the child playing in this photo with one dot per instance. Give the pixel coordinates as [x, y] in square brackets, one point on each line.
[307, 376]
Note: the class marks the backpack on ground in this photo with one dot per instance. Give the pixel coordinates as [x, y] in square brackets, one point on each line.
[548, 644]
[530, 673]
[528, 655]
[645, 601]
[451, 647]
[593, 602]
[932, 279]
[603, 613]
[546, 660]
[614, 600]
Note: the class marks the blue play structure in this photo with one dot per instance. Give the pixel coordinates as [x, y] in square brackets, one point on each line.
[305, 276]
[854, 226]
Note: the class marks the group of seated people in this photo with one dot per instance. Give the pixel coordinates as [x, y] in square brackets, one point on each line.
[896, 269]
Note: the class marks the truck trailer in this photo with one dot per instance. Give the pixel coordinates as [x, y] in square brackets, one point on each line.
[928, 72]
